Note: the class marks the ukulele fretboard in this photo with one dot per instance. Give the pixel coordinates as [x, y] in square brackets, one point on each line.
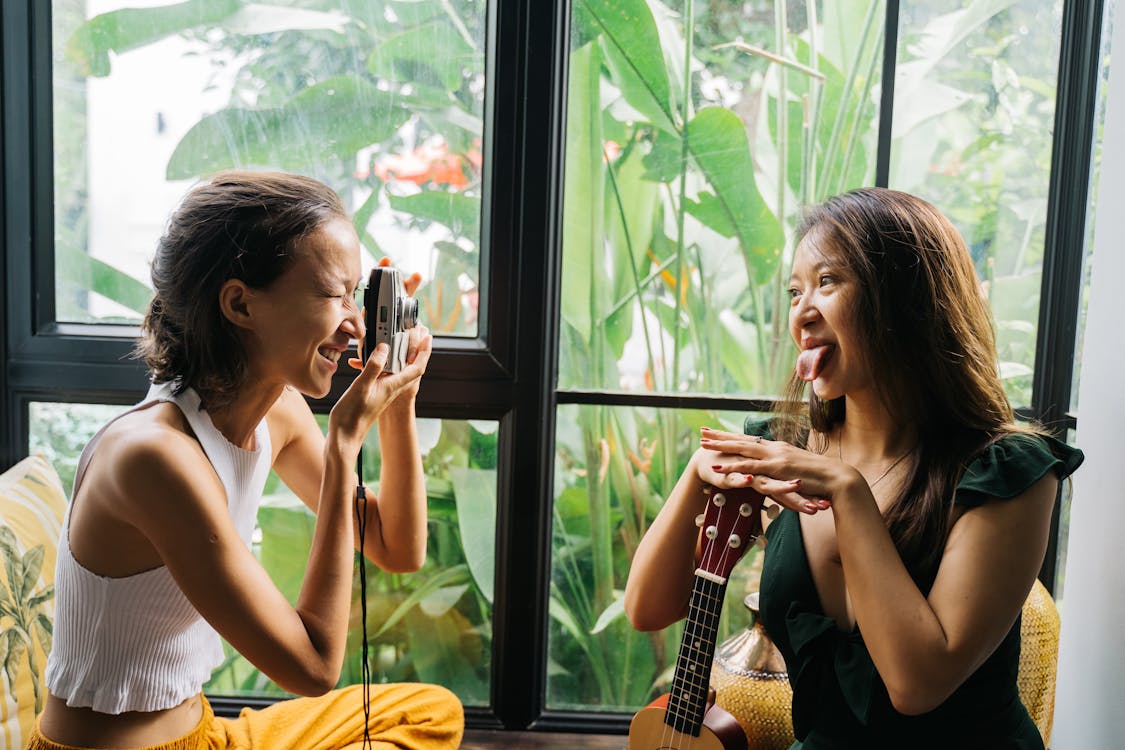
[687, 701]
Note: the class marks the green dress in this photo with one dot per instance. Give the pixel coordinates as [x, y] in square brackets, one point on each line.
[839, 699]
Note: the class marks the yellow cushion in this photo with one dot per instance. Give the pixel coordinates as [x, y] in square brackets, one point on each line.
[32, 504]
[1039, 658]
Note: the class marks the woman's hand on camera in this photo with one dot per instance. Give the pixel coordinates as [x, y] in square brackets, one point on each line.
[792, 477]
[419, 348]
[373, 390]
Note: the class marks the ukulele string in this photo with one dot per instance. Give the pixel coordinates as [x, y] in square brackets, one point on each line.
[673, 720]
[692, 679]
[710, 591]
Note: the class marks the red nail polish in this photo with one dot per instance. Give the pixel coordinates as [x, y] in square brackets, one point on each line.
[749, 478]
[717, 467]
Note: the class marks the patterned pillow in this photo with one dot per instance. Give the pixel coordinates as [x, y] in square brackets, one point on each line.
[32, 504]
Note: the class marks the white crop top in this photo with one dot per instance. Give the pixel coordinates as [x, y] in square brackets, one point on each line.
[136, 643]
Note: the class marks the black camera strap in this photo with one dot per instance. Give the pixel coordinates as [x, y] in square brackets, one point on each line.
[365, 662]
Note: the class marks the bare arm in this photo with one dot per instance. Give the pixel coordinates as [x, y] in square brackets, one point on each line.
[395, 537]
[924, 647]
[396, 532]
[660, 577]
[188, 524]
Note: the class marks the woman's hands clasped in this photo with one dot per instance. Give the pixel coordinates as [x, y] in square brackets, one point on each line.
[790, 476]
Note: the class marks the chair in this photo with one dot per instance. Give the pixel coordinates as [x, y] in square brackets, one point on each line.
[1039, 658]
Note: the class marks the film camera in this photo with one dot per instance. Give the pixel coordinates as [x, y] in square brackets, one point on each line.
[389, 315]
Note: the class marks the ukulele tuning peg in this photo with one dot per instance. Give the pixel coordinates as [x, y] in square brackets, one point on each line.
[761, 542]
[745, 509]
[773, 511]
[719, 499]
[735, 541]
[699, 520]
[708, 489]
[712, 532]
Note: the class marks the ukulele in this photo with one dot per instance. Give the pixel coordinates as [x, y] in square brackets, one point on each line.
[685, 717]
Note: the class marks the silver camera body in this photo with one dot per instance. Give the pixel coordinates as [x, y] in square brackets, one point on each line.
[389, 314]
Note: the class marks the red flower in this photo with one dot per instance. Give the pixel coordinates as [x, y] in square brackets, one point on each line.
[430, 162]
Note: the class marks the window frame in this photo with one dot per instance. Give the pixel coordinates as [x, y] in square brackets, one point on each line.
[508, 373]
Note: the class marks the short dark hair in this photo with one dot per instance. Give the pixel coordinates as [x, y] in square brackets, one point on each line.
[236, 225]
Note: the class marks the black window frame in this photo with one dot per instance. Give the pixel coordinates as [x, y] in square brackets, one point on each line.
[508, 373]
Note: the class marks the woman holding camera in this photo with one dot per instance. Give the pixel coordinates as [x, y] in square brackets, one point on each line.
[254, 306]
[916, 511]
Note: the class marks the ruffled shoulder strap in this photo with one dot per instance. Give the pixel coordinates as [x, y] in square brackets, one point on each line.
[755, 425]
[1008, 466]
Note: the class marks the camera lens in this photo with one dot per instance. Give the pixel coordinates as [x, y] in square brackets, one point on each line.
[408, 312]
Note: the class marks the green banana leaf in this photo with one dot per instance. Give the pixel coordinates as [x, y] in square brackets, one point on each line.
[330, 120]
[128, 28]
[458, 211]
[718, 143]
[436, 48]
[634, 56]
[475, 490]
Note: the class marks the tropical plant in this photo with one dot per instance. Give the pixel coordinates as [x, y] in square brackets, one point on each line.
[25, 624]
[383, 101]
[694, 139]
[677, 207]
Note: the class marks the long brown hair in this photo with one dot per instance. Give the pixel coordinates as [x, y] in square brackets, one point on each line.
[237, 225]
[928, 328]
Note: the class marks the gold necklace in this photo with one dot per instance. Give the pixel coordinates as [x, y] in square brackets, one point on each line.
[871, 485]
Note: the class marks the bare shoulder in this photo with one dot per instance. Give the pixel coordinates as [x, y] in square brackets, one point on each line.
[152, 431]
[1005, 537]
[150, 449]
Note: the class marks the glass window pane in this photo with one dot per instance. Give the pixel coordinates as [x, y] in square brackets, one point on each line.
[383, 101]
[614, 466]
[684, 179]
[974, 115]
[431, 626]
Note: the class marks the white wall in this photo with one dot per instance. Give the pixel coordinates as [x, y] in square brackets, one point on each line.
[1090, 702]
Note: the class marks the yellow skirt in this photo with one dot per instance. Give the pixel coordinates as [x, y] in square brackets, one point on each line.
[410, 716]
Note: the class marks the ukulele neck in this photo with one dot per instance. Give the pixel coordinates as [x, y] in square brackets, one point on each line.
[687, 701]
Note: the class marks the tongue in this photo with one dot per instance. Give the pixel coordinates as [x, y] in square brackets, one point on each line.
[810, 362]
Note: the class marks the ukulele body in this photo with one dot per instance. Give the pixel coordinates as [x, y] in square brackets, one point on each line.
[720, 730]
